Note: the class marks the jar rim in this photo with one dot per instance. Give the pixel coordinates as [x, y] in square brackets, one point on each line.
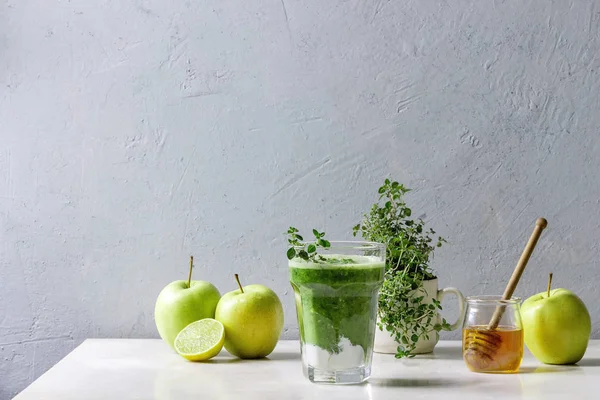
[492, 299]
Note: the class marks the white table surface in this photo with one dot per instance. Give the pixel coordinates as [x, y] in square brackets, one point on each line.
[148, 369]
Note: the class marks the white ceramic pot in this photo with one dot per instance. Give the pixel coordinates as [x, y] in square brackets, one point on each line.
[384, 343]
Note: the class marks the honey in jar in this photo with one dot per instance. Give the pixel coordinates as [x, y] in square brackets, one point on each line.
[485, 349]
[503, 356]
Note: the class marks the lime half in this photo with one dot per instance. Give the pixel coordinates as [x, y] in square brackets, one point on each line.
[200, 340]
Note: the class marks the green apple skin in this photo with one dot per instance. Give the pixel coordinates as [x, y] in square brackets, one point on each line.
[557, 328]
[253, 321]
[178, 305]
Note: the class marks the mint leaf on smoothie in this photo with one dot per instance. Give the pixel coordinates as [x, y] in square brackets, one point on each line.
[306, 251]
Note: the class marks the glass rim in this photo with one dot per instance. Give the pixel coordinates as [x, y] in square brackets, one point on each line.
[348, 244]
[492, 299]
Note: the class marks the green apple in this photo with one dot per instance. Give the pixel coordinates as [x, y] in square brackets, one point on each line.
[182, 302]
[253, 320]
[557, 326]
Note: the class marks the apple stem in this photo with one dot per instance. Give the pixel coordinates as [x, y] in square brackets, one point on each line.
[190, 274]
[237, 278]
[549, 283]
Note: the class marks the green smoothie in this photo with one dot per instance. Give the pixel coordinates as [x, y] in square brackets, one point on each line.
[336, 300]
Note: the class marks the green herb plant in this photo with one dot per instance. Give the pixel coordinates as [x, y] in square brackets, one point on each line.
[409, 248]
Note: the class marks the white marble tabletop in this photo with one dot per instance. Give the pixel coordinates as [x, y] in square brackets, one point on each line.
[148, 369]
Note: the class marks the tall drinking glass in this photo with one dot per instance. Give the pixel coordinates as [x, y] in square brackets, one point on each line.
[336, 305]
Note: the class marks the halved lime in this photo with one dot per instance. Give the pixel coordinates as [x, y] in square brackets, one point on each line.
[200, 340]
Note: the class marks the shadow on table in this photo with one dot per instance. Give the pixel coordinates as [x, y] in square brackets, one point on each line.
[283, 356]
[547, 369]
[425, 382]
[588, 362]
[442, 353]
[222, 360]
[227, 359]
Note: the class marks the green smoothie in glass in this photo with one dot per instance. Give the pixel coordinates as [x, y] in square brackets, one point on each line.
[336, 306]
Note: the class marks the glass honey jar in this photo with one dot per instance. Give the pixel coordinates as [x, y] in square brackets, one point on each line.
[492, 337]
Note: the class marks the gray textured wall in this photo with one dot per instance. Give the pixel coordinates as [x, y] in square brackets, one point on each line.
[136, 132]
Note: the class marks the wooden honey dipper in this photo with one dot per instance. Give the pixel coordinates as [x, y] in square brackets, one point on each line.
[481, 345]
